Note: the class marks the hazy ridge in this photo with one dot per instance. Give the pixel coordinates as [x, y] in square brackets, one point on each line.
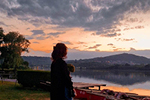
[123, 58]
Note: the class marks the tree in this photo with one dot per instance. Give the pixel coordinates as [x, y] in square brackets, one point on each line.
[11, 47]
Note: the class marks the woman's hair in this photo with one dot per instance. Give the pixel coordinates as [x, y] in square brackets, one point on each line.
[59, 51]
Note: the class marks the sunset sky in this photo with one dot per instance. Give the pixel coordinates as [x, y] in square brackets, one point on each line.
[89, 28]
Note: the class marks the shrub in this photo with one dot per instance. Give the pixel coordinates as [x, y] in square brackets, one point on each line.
[32, 78]
[71, 67]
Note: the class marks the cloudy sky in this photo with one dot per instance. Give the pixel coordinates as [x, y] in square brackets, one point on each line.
[90, 28]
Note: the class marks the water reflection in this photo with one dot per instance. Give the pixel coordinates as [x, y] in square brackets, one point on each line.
[133, 82]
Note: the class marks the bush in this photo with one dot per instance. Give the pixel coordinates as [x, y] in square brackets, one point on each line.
[32, 78]
[71, 67]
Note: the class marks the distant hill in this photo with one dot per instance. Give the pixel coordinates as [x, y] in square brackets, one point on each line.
[124, 58]
[94, 62]
[37, 61]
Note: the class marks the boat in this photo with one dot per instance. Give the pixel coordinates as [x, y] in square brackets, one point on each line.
[86, 91]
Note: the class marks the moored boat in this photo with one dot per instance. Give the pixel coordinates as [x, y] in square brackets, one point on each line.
[86, 91]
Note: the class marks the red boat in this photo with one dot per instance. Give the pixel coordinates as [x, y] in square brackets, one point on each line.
[86, 91]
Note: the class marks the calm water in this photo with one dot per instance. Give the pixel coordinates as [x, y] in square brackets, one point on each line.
[133, 81]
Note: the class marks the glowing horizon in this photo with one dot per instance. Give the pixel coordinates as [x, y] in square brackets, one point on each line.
[110, 26]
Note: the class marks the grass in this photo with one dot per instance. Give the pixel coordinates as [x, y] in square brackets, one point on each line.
[12, 91]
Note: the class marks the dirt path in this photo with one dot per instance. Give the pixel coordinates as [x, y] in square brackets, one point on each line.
[10, 80]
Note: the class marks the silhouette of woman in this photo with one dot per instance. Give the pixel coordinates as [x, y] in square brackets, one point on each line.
[60, 78]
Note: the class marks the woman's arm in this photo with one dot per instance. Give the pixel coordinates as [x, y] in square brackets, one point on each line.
[67, 77]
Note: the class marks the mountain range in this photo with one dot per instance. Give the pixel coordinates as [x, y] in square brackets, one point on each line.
[123, 58]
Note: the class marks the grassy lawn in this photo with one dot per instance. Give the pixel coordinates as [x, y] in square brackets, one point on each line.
[12, 91]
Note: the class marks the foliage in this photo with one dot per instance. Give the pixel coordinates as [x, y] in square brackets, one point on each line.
[12, 45]
[32, 78]
[71, 67]
[17, 92]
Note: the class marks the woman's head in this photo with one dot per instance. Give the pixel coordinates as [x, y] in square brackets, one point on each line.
[59, 51]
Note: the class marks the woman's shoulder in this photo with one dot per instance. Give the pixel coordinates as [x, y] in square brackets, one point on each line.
[60, 60]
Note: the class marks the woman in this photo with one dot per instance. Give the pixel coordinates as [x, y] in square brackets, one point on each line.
[60, 79]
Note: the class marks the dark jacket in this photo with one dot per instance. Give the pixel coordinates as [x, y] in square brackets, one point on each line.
[60, 79]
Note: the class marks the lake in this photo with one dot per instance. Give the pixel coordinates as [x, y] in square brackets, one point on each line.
[124, 81]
